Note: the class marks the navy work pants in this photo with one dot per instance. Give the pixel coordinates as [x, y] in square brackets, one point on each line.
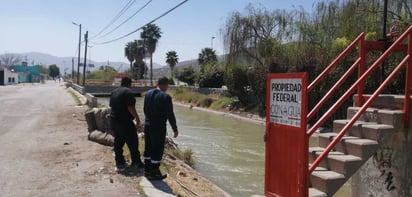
[154, 142]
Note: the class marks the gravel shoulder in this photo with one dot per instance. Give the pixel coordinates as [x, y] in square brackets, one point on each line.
[44, 149]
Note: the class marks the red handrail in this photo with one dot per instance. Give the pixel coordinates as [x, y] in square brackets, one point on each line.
[361, 81]
[358, 114]
[336, 61]
[332, 90]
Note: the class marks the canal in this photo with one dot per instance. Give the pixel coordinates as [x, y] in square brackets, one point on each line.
[227, 151]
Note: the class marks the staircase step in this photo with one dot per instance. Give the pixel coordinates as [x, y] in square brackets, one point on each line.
[350, 145]
[364, 130]
[336, 161]
[326, 181]
[316, 193]
[385, 101]
[380, 116]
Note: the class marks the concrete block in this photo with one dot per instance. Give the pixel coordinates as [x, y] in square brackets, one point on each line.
[350, 145]
[316, 193]
[356, 128]
[336, 161]
[380, 116]
[91, 121]
[327, 181]
[364, 130]
[375, 132]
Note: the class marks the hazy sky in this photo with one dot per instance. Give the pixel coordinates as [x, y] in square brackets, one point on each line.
[46, 25]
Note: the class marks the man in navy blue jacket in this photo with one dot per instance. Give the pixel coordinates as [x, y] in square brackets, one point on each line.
[158, 108]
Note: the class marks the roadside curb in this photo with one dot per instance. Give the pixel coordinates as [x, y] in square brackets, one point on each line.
[81, 97]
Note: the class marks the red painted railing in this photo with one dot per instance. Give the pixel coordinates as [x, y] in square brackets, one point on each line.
[359, 86]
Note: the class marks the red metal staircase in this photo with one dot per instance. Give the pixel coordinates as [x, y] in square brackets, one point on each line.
[354, 140]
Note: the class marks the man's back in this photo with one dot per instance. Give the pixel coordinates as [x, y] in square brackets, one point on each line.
[120, 98]
[158, 108]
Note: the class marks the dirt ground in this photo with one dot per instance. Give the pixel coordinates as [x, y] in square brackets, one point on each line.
[44, 149]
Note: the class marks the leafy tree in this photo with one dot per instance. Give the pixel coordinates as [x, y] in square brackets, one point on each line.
[107, 68]
[258, 29]
[188, 75]
[10, 59]
[207, 57]
[211, 74]
[128, 52]
[172, 59]
[212, 79]
[104, 73]
[43, 69]
[151, 34]
[236, 83]
[54, 71]
[135, 52]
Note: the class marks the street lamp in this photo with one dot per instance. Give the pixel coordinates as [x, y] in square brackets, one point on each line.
[78, 56]
[212, 41]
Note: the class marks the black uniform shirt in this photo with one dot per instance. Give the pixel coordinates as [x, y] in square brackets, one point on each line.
[120, 99]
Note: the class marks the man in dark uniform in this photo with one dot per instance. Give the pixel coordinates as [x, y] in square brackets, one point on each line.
[158, 108]
[123, 112]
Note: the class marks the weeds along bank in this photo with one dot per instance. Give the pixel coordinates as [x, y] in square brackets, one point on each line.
[212, 101]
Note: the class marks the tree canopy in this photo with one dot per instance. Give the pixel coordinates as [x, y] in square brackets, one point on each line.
[54, 71]
[150, 35]
[172, 59]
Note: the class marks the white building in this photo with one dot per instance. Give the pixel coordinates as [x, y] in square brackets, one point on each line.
[8, 77]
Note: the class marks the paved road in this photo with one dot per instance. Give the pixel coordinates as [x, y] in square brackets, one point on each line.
[44, 149]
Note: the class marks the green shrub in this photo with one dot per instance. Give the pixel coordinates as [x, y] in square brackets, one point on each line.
[205, 102]
[185, 155]
[221, 103]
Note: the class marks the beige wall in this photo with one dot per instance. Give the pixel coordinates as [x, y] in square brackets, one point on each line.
[10, 75]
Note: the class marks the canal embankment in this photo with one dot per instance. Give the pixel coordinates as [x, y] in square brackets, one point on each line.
[183, 179]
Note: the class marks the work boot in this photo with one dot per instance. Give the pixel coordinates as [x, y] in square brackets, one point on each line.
[147, 166]
[155, 173]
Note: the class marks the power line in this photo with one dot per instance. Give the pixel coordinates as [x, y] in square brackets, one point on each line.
[121, 12]
[164, 14]
[134, 14]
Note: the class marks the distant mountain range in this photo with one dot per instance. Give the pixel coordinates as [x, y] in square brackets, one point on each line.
[65, 63]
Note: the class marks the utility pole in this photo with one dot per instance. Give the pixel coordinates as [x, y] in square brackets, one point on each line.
[78, 56]
[72, 69]
[85, 55]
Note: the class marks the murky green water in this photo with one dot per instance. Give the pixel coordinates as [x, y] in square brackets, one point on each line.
[227, 151]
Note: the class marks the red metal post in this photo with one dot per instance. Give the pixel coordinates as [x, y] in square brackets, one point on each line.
[361, 70]
[407, 103]
[359, 113]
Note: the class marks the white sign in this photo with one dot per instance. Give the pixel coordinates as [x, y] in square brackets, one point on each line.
[286, 101]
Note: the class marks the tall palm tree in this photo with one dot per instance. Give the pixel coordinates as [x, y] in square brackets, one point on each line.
[207, 57]
[138, 55]
[128, 52]
[172, 59]
[151, 34]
